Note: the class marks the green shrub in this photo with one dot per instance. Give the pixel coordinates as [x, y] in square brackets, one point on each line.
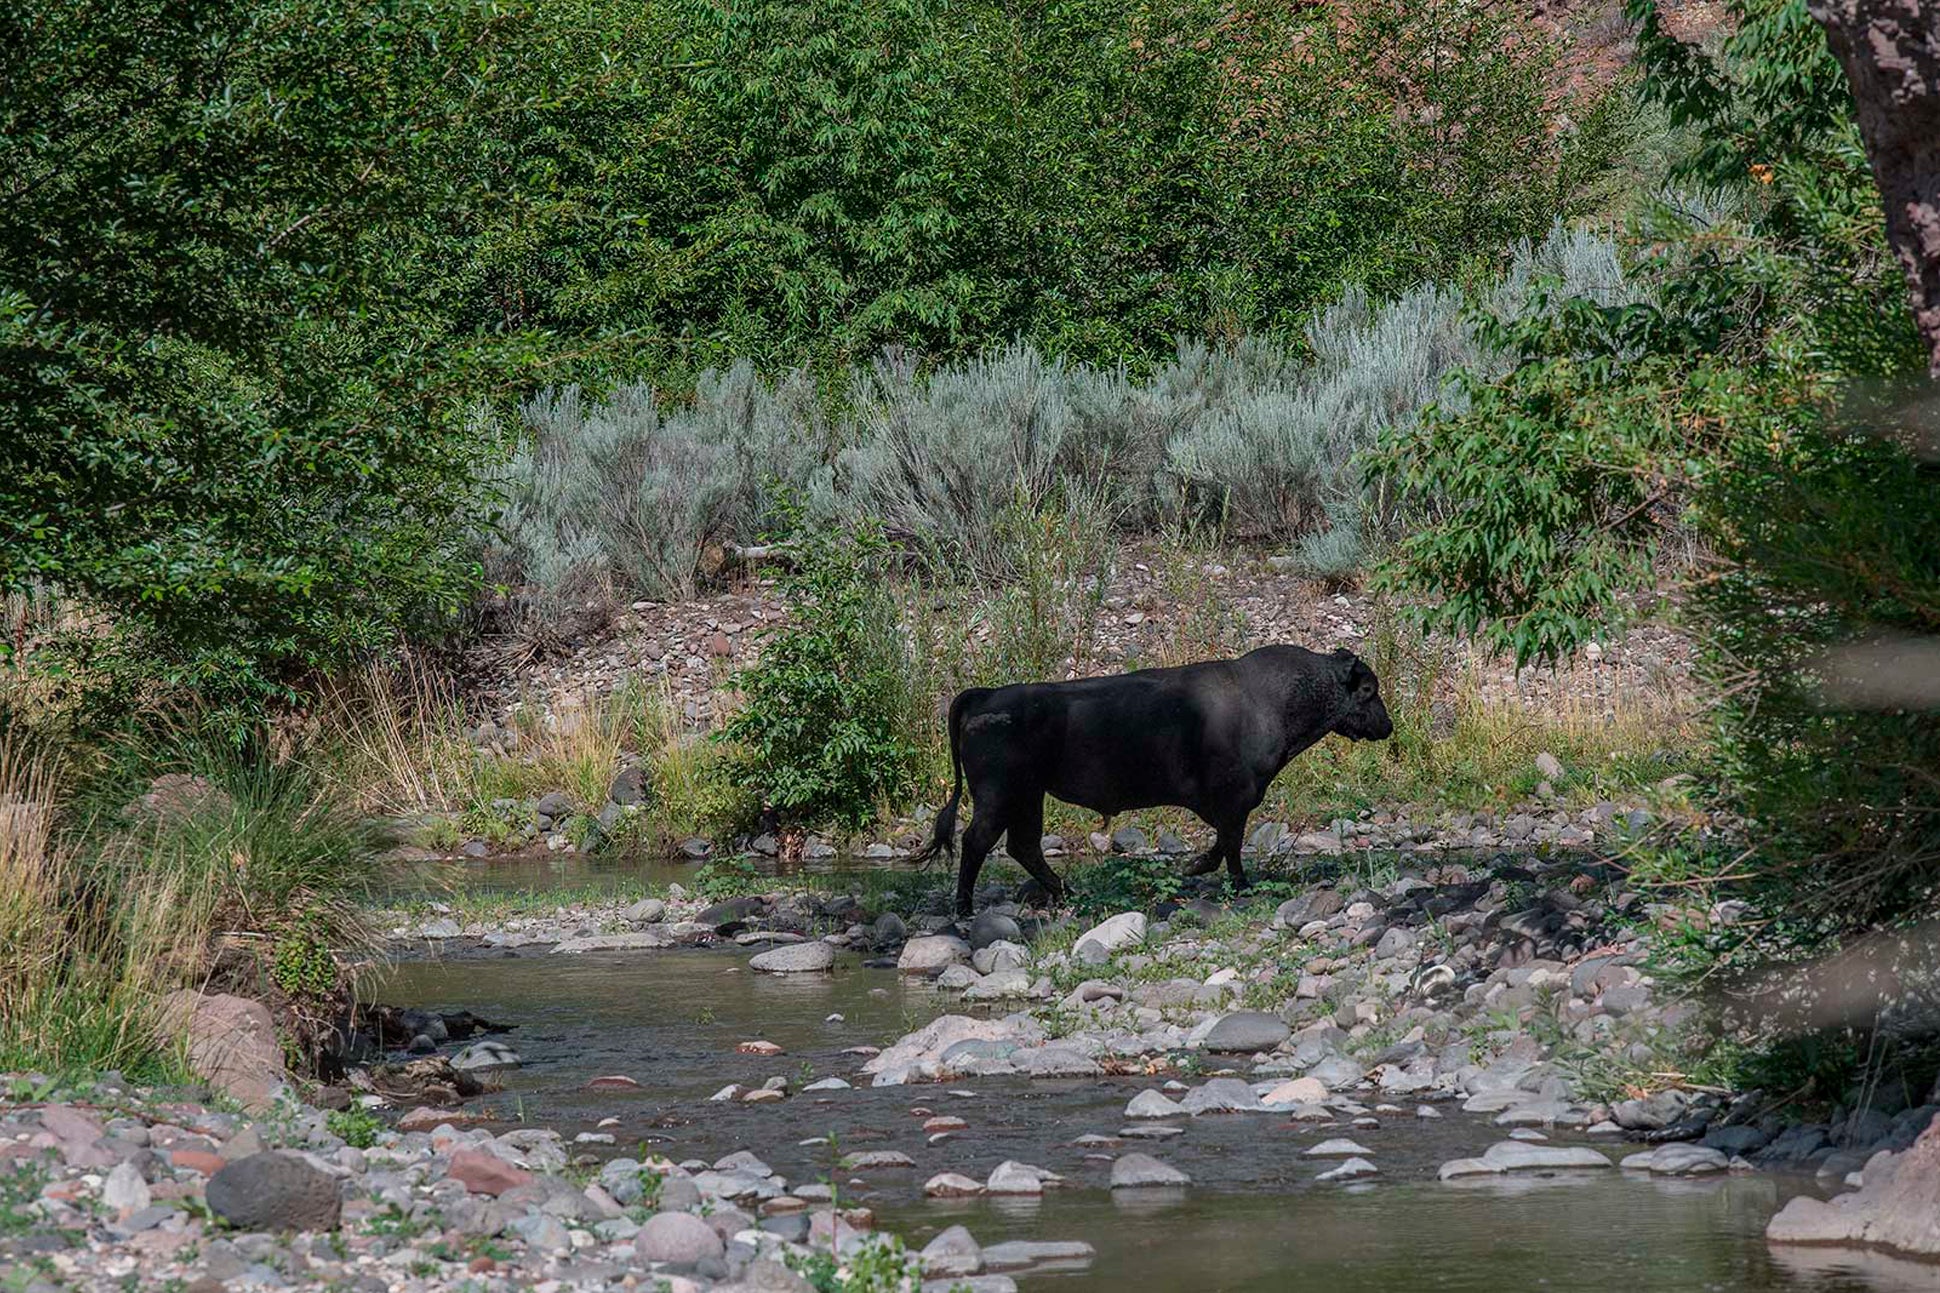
[1750, 405]
[827, 729]
[228, 405]
[354, 1126]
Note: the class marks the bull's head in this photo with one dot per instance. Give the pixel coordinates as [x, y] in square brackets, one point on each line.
[1362, 716]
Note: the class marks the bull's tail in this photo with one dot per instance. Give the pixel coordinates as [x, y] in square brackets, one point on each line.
[943, 839]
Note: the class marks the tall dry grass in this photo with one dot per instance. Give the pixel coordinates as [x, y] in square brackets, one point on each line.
[84, 963]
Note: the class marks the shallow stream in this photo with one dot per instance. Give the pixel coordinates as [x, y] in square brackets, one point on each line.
[1254, 1219]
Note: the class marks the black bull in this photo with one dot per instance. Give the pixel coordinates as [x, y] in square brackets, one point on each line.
[1205, 737]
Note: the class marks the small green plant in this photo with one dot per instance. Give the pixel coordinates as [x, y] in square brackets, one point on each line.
[727, 878]
[302, 963]
[19, 1190]
[651, 1184]
[354, 1126]
[828, 728]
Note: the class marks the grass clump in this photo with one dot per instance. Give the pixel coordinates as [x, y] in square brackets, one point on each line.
[166, 862]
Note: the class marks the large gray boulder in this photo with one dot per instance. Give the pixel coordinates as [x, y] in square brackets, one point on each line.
[1246, 1032]
[678, 1238]
[993, 927]
[1096, 945]
[1141, 1171]
[274, 1191]
[229, 1041]
[932, 954]
[795, 958]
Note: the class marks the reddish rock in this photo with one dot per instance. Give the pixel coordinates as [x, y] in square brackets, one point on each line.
[758, 1048]
[424, 1118]
[197, 1160]
[230, 1043]
[483, 1173]
[1897, 1207]
[613, 1082]
[70, 1124]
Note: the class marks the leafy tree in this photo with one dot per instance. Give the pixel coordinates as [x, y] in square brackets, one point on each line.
[1751, 407]
[229, 415]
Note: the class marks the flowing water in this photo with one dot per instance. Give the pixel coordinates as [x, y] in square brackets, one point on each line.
[1254, 1219]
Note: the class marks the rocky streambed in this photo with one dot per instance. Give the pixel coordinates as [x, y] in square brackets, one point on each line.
[1351, 1087]
[1263, 1089]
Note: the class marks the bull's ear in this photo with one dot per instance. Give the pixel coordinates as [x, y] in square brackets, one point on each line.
[1344, 662]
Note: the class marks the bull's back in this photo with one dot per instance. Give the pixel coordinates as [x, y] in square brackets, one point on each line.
[1134, 740]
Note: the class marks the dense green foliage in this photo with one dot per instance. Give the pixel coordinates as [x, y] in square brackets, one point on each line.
[797, 182]
[226, 412]
[1749, 407]
[826, 732]
[262, 258]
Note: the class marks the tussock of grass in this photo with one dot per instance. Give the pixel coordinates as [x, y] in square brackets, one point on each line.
[178, 862]
[83, 966]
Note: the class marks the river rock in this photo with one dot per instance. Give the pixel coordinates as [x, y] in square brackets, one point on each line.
[932, 954]
[1222, 1095]
[905, 1060]
[1894, 1207]
[1096, 945]
[1336, 1071]
[1352, 1169]
[876, 1158]
[1012, 1177]
[1054, 1062]
[1000, 985]
[993, 927]
[1514, 1156]
[952, 1185]
[679, 1238]
[485, 1057]
[124, 1192]
[483, 1173]
[650, 939]
[230, 1043]
[953, 1252]
[1650, 1114]
[1295, 1091]
[1000, 955]
[1678, 1160]
[1152, 1104]
[1246, 1032]
[647, 911]
[1137, 1171]
[1016, 1254]
[795, 958]
[274, 1191]
[1337, 1148]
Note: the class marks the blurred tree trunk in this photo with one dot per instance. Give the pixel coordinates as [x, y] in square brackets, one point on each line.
[1890, 50]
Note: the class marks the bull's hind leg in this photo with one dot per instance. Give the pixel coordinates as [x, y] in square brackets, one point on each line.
[978, 840]
[1232, 835]
[1026, 840]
